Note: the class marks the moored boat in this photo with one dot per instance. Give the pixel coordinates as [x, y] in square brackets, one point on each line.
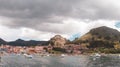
[28, 56]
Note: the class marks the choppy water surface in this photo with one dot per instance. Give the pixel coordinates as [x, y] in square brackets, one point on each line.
[57, 61]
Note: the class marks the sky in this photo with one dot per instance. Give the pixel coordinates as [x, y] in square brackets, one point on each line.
[42, 19]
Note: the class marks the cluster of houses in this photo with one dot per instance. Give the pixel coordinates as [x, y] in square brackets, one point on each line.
[20, 49]
[70, 49]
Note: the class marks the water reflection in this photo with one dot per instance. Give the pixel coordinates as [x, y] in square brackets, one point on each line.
[57, 61]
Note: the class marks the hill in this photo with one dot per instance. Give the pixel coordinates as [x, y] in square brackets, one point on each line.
[20, 42]
[2, 41]
[104, 37]
[57, 41]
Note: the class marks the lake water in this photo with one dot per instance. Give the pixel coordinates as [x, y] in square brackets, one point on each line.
[58, 61]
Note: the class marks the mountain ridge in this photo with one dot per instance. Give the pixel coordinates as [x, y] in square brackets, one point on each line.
[20, 42]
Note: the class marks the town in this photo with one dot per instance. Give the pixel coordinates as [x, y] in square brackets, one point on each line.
[57, 45]
[71, 49]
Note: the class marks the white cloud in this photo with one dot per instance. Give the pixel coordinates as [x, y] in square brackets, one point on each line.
[9, 34]
[69, 27]
[28, 34]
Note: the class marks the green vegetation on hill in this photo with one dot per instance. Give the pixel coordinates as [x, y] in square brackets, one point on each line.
[101, 39]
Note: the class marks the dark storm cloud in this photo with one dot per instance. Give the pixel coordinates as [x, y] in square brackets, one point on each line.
[35, 13]
[33, 9]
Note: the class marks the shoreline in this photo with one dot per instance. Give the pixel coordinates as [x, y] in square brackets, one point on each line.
[65, 54]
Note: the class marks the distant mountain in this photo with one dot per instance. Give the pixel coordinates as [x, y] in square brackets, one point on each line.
[2, 41]
[100, 37]
[20, 42]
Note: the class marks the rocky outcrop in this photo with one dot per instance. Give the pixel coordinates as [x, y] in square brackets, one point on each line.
[57, 41]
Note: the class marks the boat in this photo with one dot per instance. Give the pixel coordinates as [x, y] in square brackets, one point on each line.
[48, 55]
[97, 55]
[28, 56]
[119, 55]
[63, 55]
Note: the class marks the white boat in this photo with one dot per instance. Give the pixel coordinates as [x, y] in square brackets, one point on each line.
[97, 55]
[28, 56]
[63, 55]
[119, 55]
[48, 55]
[25, 54]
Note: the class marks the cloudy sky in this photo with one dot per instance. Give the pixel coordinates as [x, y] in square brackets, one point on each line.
[42, 19]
